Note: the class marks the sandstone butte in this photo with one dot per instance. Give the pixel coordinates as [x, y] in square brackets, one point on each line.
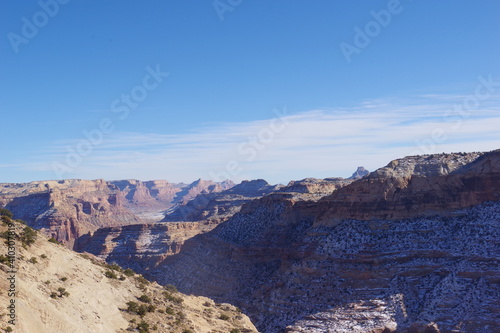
[410, 247]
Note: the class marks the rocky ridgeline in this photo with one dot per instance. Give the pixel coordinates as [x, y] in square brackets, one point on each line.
[68, 209]
[219, 206]
[365, 258]
[424, 185]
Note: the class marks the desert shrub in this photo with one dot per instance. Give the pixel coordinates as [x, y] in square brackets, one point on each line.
[63, 279]
[62, 292]
[122, 278]
[132, 306]
[235, 330]
[114, 267]
[141, 310]
[169, 297]
[4, 260]
[207, 304]
[33, 260]
[53, 240]
[28, 236]
[8, 329]
[145, 299]
[129, 272]
[141, 279]
[187, 331]
[224, 317]
[171, 288]
[53, 294]
[6, 212]
[170, 310]
[43, 256]
[143, 327]
[110, 274]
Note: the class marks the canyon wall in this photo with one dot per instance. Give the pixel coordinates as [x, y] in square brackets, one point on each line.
[69, 209]
[411, 247]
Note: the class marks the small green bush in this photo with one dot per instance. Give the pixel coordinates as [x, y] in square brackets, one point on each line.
[132, 306]
[8, 329]
[170, 310]
[62, 292]
[4, 260]
[143, 327]
[43, 256]
[110, 275]
[129, 272]
[6, 212]
[63, 279]
[28, 236]
[235, 330]
[145, 299]
[142, 280]
[224, 317]
[53, 240]
[169, 297]
[171, 288]
[114, 267]
[33, 260]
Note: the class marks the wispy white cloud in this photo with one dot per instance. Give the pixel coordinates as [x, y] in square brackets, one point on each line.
[316, 143]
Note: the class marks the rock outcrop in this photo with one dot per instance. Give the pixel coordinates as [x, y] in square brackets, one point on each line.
[141, 246]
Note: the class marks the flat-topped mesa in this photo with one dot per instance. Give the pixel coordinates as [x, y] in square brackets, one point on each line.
[418, 186]
[314, 189]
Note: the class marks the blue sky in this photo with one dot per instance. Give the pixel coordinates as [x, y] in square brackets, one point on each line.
[255, 89]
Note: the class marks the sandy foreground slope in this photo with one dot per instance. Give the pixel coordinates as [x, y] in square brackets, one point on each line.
[58, 290]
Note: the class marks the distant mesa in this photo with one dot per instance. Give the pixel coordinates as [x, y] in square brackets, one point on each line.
[360, 173]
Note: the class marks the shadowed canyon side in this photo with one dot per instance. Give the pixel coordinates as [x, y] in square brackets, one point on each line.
[364, 259]
[68, 209]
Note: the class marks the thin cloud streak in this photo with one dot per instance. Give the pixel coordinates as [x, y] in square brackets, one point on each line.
[317, 143]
